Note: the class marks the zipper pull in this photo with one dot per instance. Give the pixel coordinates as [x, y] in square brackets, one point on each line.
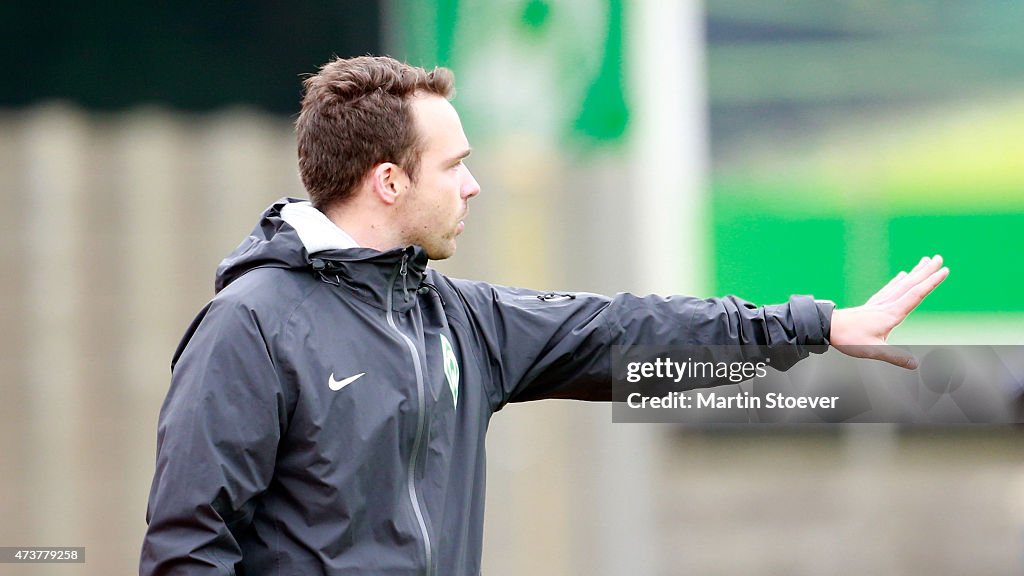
[555, 297]
[403, 271]
[321, 270]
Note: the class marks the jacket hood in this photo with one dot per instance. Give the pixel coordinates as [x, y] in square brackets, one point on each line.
[272, 243]
[292, 234]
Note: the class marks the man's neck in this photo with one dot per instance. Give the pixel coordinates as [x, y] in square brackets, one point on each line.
[369, 228]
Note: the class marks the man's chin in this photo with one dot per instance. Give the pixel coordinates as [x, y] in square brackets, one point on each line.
[440, 252]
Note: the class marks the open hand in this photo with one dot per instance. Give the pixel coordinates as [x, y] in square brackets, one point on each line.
[862, 332]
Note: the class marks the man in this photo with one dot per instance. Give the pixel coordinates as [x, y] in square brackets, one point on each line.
[328, 407]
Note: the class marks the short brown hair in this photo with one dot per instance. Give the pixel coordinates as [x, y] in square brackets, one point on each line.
[356, 115]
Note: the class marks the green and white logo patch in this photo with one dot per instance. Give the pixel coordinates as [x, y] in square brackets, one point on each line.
[451, 368]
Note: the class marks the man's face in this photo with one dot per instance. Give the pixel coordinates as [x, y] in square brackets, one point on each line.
[432, 211]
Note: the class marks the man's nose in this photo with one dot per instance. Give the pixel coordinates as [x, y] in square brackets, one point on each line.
[470, 187]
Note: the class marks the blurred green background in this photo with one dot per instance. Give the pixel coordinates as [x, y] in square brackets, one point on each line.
[846, 138]
[864, 138]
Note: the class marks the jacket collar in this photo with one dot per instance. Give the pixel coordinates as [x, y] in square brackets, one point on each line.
[376, 277]
[337, 259]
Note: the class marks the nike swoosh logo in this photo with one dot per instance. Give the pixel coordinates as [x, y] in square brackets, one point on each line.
[339, 384]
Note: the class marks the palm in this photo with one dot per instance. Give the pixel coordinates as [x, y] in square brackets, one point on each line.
[863, 331]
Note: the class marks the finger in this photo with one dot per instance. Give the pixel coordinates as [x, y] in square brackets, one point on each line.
[895, 356]
[899, 285]
[913, 297]
[881, 296]
[882, 352]
[924, 269]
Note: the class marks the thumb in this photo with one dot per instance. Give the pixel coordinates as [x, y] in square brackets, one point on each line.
[895, 356]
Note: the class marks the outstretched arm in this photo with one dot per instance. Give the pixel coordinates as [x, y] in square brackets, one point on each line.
[862, 331]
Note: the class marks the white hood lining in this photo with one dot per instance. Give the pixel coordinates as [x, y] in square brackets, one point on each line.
[315, 230]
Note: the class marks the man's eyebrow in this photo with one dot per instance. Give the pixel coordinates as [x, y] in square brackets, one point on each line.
[462, 155]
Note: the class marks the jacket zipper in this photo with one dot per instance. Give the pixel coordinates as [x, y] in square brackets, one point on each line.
[421, 420]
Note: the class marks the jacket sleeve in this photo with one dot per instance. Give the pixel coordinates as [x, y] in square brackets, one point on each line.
[559, 345]
[216, 445]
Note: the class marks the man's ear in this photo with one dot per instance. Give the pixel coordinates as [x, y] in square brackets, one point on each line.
[389, 181]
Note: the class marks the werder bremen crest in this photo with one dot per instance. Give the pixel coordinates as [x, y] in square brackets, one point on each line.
[451, 368]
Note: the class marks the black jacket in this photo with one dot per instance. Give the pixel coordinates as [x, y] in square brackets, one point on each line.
[327, 413]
